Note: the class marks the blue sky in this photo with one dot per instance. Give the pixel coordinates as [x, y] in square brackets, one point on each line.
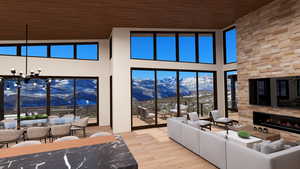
[231, 51]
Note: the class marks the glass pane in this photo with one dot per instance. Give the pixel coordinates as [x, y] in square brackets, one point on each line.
[166, 95]
[187, 48]
[206, 92]
[40, 51]
[62, 97]
[143, 90]
[87, 51]
[33, 102]
[10, 104]
[166, 47]
[188, 92]
[142, 46]
[62, 51]
[8, 50]
[231, 78]
[86, 99]
[231, 52]
[206, 49]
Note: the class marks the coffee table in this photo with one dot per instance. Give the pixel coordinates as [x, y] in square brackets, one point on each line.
[272, 136]
[233, 136]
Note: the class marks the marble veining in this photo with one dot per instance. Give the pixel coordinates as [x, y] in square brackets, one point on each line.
[114, 155]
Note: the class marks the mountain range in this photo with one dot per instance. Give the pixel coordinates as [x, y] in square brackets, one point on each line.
[143, 90]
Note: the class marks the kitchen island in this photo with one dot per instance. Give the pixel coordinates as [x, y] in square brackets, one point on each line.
[105, 152]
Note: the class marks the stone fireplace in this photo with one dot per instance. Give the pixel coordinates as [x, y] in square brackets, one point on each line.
[268, 45]
[281, 122]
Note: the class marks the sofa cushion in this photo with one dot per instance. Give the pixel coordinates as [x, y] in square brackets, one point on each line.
[193, 124]
[223, 120]
[257, 146]
[193, 116]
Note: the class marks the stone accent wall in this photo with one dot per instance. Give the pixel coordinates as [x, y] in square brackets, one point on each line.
[268, 42]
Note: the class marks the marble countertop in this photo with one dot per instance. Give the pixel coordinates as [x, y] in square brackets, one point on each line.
[112, 155]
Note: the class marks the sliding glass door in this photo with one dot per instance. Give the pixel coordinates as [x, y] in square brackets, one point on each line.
[10, 98]
[62, 97]
[206, 93]
[161, 94]
[143, 100]
[33, 97]
[188, 92]
[86, 99]
[231, 94]
[166, 95]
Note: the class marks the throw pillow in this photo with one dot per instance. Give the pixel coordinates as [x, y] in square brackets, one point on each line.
[257, 146]
[273, 147]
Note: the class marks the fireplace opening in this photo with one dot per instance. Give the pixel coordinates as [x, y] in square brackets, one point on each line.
[281, 122]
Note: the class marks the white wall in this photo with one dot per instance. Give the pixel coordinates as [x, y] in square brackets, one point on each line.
[121, 65]
[69, 67]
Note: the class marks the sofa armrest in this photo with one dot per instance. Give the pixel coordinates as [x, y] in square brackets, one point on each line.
[175, 129]
[242, 157]
[288, 158]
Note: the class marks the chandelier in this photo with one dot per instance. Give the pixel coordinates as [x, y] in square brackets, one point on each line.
[26, 77]
[20, 76]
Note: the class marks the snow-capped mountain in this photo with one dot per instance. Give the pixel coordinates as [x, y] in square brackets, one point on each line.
[144, 89]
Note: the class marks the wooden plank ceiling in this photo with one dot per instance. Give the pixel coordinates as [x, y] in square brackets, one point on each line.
[92, 19]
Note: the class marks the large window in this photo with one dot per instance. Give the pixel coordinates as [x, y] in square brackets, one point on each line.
[35, 50]
[166, 47]
[206, 48]
[166, 95]
[142, 46]
[86, 99]
[84, 50]
[62, 97]
[33, 97]
[206, 92]
[230, 46]
[87, 51]
[8, 50]
[187, 48]
[10, 98]
[62, 51]
[188, 92]
[143, 102]
[231, 93]
[160, 94]
[193, 47]
[39, 98]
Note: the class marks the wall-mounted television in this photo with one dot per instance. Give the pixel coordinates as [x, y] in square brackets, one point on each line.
[275, 92]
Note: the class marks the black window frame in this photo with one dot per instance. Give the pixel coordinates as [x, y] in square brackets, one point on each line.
[196, 34]
[48, 94]
[224, 45]
[74, 44]
[178, 93]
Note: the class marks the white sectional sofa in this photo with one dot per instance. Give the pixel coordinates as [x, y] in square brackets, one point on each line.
[225, 154]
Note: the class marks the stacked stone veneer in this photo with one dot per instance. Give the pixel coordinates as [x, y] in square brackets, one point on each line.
[268, 42]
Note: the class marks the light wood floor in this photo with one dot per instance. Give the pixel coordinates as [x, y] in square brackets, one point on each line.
[153, 149]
